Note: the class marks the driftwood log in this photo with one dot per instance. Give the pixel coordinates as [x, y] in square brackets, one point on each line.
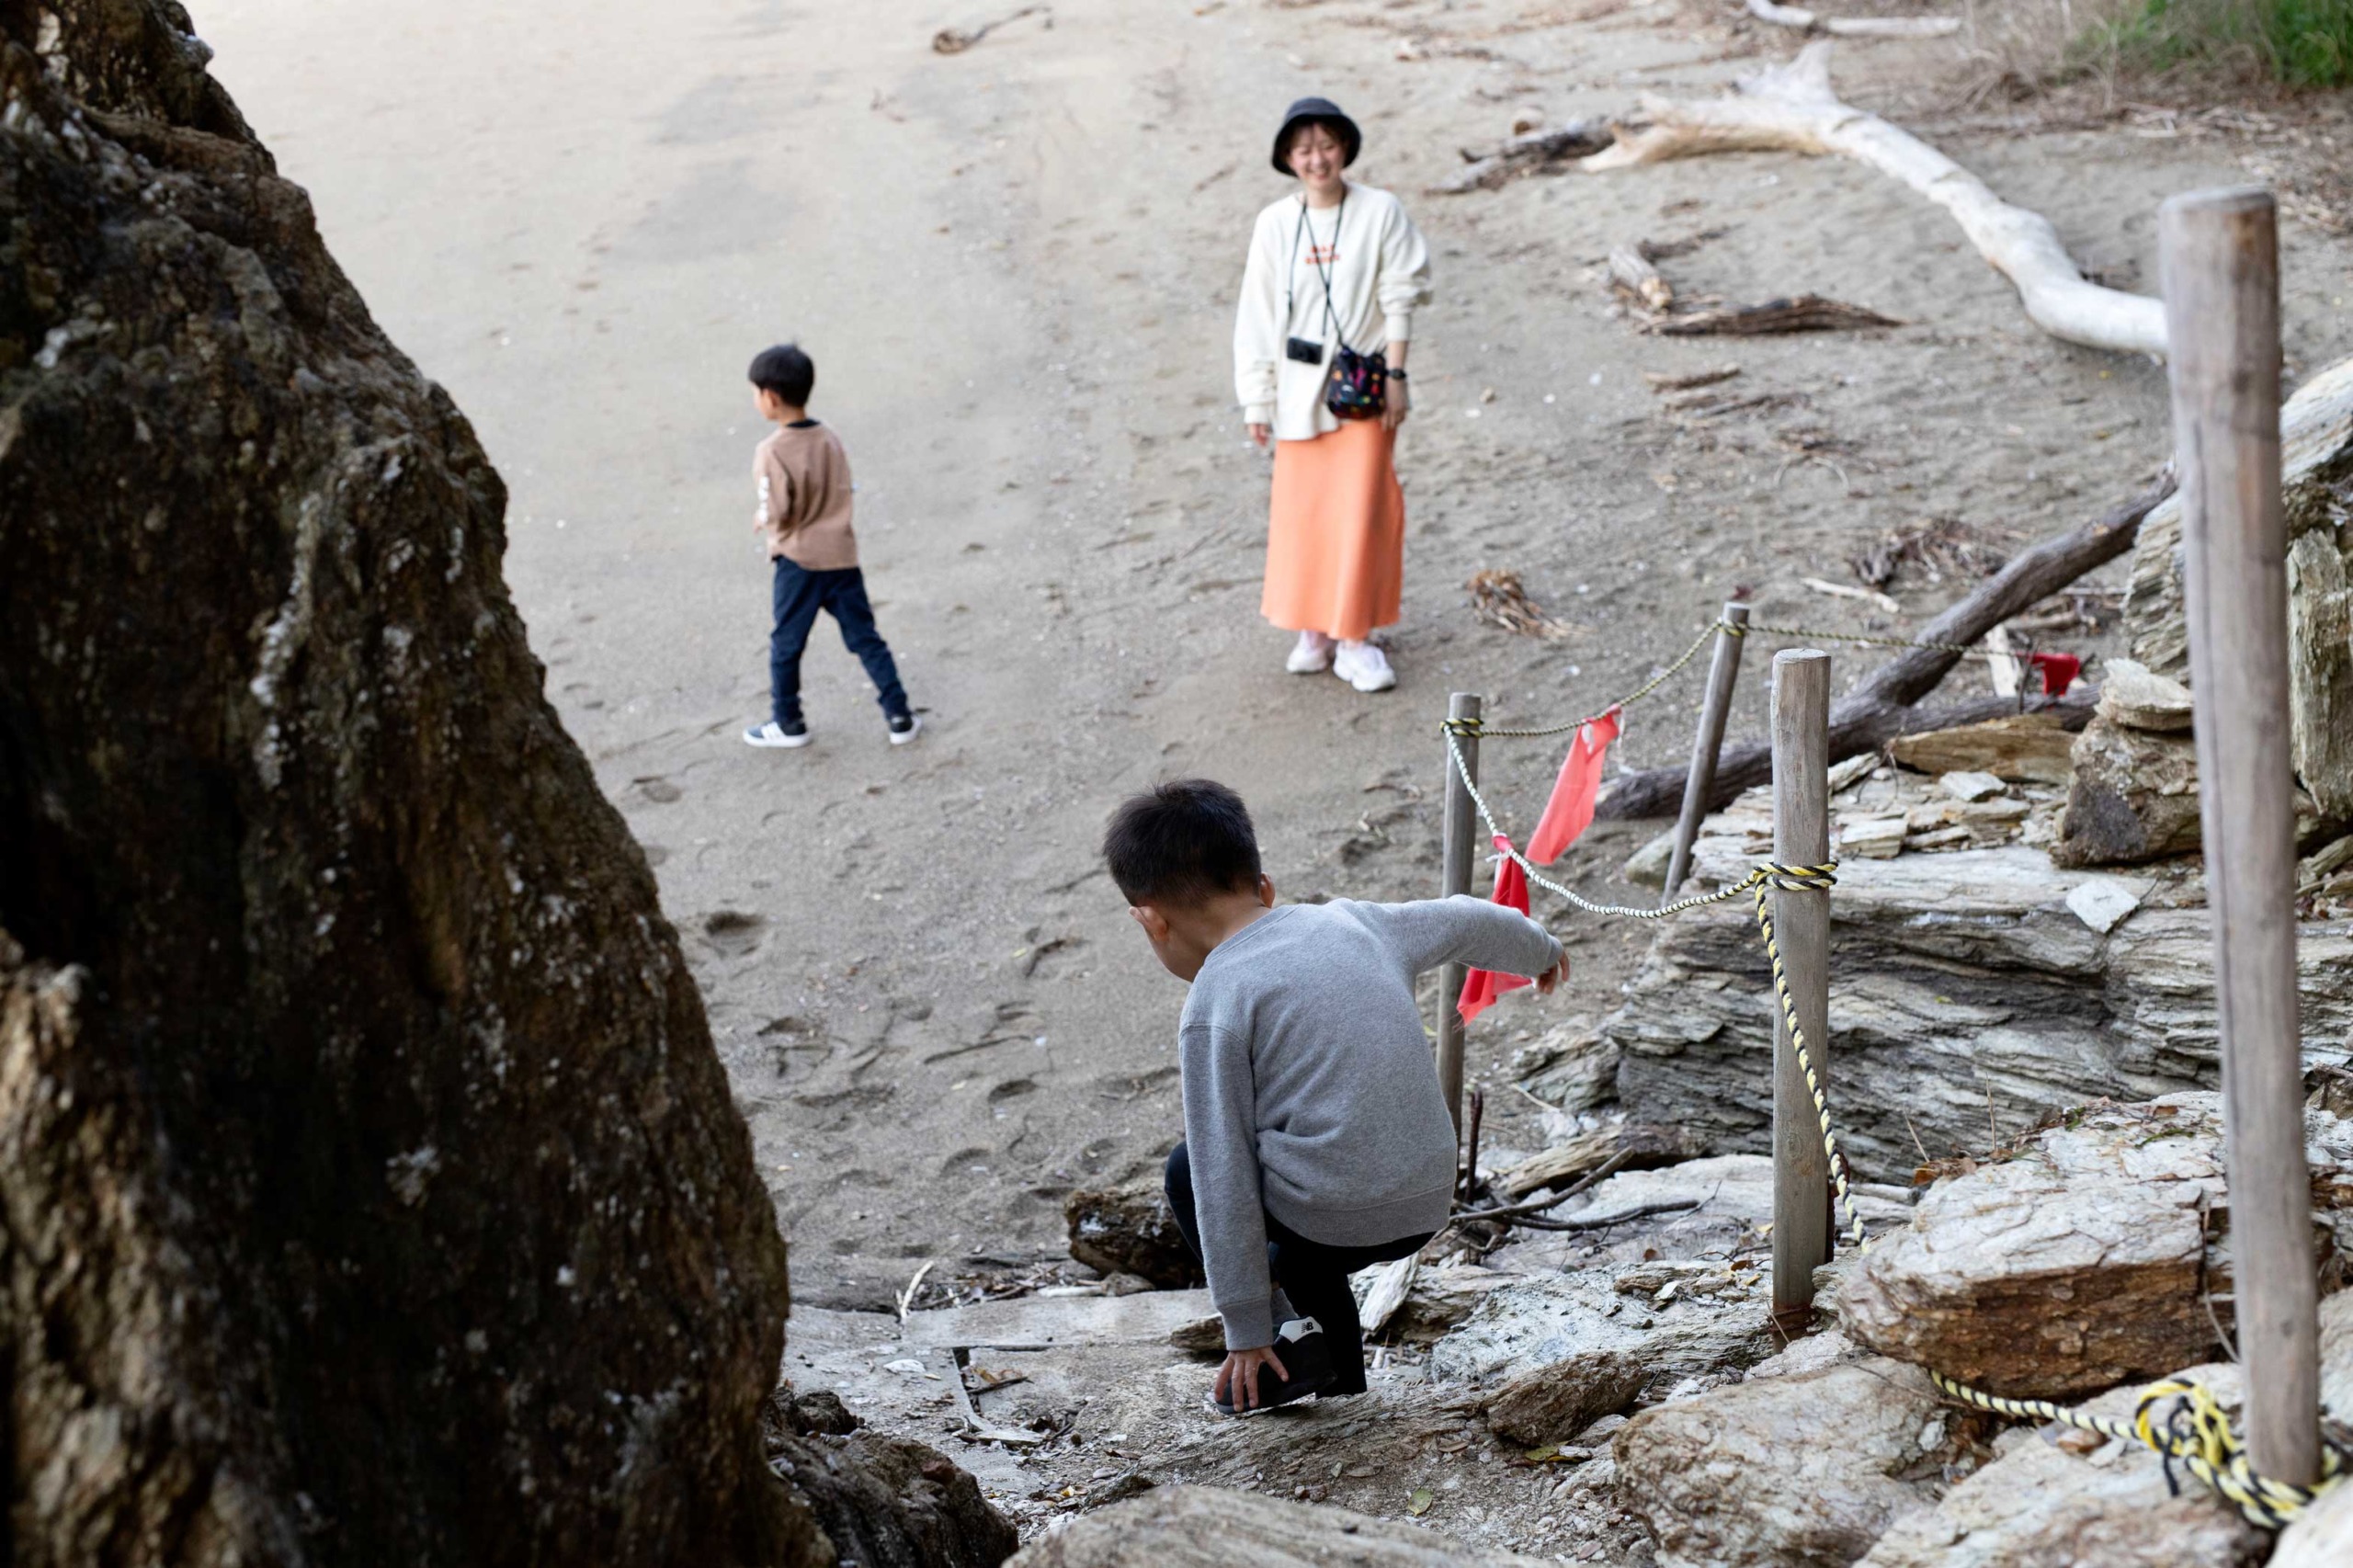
[1791, 109]
[1630, 269]
[1526, 153]
[1806, 313]
[1883, 706]
[1807, 22]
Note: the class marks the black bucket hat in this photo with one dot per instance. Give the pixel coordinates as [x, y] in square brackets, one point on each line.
[1351, 139]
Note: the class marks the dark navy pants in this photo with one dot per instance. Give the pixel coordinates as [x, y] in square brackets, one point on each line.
[800, 594]
[1314, 1275]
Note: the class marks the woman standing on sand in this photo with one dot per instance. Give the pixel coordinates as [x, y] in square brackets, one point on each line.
[1319, 362]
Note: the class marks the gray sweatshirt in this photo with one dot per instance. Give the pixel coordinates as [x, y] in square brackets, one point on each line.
[1310, 1089]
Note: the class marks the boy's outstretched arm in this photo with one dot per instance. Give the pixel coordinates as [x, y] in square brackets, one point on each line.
[1467, 930]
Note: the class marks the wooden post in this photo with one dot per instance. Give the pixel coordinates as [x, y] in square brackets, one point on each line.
[1802, 927]
[2218, 254]
[1700, 782]
[1461, 834]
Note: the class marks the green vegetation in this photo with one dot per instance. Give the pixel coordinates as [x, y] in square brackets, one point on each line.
[2306, 43]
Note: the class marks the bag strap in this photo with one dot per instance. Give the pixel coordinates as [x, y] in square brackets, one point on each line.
[1323, 272]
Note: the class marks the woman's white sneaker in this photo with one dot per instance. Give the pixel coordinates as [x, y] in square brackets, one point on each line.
[1364, 666]
[1310, 656]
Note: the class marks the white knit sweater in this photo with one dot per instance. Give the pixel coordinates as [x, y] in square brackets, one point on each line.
[1380, 268]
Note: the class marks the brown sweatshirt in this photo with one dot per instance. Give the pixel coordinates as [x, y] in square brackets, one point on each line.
[803, 477]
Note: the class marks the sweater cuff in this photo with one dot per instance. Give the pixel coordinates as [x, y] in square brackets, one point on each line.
[1399, 328]
[1249, 1325]
[1257, 414]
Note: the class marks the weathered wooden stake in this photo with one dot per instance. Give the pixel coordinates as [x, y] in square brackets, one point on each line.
[1461, 833]
[1801, 927]
[2218, 254]
[1706, 746]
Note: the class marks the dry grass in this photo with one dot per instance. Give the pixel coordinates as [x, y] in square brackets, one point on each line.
[2175, 50]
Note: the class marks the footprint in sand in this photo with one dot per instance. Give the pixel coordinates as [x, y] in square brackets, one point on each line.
[732, 931]
[966, 1161]
[1012, 1089]
[658, 790]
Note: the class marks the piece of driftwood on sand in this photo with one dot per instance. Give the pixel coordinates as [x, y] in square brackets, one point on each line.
[1792, 107]
[1807, 22]
[1804, 313]
[1885, 705]
[1525, 154]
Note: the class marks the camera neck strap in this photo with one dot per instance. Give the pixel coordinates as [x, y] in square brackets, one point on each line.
[1323, 269]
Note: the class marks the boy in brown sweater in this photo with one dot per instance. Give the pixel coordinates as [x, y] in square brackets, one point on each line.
[805, 519]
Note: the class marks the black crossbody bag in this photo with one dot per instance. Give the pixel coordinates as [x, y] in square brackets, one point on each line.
[1358, 386]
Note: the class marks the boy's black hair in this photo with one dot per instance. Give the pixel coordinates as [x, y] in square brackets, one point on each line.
[1183, 842]
[786, 372]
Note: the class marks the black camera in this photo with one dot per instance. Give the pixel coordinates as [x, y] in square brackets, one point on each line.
[1305, 352]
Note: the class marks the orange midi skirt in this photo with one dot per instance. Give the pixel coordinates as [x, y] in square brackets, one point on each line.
[1336, 533]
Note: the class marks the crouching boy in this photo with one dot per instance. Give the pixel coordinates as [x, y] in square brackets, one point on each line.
[1317, 1141]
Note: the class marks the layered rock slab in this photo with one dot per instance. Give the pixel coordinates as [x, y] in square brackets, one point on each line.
[2316, 489]
[2094, 1254]
[1200, 1527]
[375, 1194]
[1967, 1001]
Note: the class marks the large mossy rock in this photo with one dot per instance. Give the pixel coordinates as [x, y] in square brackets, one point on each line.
[374, 1194]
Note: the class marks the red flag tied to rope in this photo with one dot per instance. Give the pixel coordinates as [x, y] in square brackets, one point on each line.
[1569, 810]
[2059, 671]
[1481, 987]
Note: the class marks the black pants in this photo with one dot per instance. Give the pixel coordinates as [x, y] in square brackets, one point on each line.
[1314, 1275]
[800, 594]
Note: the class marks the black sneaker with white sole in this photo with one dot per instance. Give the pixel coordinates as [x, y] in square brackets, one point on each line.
[905, 727]
[772, 733]
[1306, 1357]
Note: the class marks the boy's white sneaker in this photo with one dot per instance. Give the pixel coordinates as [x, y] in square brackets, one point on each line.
[905, 727]
[775, 734]
[1310, 656]
[1364, 666]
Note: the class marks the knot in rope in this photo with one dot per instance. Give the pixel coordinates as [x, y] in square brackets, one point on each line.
[1795, 879]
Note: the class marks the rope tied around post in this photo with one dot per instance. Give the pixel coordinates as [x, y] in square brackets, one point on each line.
[2209, 1450]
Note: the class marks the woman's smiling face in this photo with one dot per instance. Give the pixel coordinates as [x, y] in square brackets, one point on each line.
[1317, 156]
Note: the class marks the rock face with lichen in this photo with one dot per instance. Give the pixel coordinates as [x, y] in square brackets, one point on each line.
[374, 1193]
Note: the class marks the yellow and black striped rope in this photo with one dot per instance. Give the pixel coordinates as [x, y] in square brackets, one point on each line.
[1807, 879]
[1812, 634]
[1480, 729]
[2195, 1434]
[1779, 876]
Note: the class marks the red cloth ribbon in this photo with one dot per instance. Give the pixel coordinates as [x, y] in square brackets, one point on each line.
[1482, 987]
[1569, 810]
[2059, 671]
